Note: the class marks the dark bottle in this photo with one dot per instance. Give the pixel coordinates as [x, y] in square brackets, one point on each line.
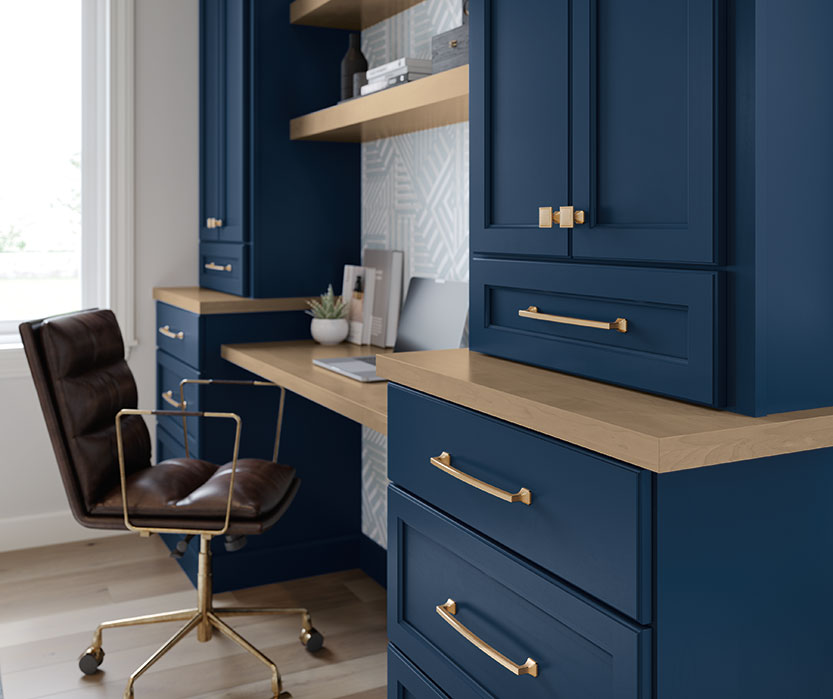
[354, 62]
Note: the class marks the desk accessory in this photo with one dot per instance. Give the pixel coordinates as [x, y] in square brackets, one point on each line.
[352, 63]
[451, 49]
[358, 291]
[387, 300]
[329, 323]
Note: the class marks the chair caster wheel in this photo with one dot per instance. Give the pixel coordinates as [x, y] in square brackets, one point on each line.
[89, 662]
[312, 640]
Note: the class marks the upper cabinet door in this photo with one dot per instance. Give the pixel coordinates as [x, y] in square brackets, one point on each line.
[519, 124]
[223, 92]
[644, 145]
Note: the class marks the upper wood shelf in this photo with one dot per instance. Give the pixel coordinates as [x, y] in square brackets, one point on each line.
[346, 14]
[437, 100]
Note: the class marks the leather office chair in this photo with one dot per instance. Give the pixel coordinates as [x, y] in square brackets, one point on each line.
[88, 397]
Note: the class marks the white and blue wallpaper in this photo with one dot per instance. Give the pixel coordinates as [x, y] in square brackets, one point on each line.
[415, 198]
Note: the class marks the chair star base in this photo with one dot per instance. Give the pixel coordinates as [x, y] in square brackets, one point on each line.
[205, 618]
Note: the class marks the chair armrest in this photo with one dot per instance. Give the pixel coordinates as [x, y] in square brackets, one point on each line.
[123, 474]
[230, 382]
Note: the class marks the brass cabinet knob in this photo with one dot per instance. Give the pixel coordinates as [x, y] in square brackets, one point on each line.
[565, 217]
[213, 223]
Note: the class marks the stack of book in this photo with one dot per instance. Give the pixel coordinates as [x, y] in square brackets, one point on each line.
[396, 72]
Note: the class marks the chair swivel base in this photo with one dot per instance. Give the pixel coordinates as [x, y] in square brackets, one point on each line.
[204, 618]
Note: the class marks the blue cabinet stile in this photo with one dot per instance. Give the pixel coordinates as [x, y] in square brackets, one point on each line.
[267, 203]
[321, 532]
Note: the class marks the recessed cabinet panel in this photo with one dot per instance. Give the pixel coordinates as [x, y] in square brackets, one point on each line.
[519, 124]
[643, 130]
[223, 152]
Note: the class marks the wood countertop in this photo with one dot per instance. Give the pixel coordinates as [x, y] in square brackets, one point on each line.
[658, 434]
[209, 302]
[290, 365]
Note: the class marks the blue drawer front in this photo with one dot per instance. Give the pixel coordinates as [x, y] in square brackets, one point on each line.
[581, 650]
[405, 681]
[672, 323]
[589, 520]
[178, 333]
[225, 267]
[169, 372]
[170, 446]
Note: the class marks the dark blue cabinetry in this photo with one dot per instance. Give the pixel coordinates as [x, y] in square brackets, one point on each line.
[588, 520]
[321, 531]
[727, 564]
[663, 124]
[580, 650]
[277, 218]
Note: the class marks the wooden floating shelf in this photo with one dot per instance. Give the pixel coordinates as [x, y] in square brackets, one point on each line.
[437, 100]
[346, 14]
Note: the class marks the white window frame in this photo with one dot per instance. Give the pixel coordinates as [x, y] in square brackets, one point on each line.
[107, 171]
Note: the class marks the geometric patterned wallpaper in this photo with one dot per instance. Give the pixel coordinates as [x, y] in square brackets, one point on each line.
[415, 198]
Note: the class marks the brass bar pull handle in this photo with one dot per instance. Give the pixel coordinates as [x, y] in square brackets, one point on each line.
[447, 612]
[443, 462]
[168, 397]
[167, 332]
[214, 267]
[213, 223]
[620, 324]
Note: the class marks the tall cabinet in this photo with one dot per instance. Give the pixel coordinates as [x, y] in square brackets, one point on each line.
[648, 129]
[267, 203]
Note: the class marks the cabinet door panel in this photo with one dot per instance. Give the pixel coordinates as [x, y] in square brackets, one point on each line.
[643, 130]
[519, 124]
[223, 136]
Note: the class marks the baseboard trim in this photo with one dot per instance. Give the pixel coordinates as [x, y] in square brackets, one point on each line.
[373, 560]
[46, 529]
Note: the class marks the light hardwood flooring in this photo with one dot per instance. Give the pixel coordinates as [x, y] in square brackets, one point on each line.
[52, 598]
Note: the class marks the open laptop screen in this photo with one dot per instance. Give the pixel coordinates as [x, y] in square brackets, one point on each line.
[434, 316]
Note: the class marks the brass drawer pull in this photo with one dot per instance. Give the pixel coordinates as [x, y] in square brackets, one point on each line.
[214, 267]
[620, 324]
[443, 462]
[447, 612]
[168, 397]
[213, 223]
[167, 332]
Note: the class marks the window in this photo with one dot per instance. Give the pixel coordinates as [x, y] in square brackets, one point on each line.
[65, 160]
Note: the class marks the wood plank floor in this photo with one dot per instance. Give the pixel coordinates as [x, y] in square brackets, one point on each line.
[52, 598]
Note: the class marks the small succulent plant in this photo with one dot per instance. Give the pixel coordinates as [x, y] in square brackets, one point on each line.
[328, 306]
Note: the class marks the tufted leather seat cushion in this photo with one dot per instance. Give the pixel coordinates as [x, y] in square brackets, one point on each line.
[199, 489]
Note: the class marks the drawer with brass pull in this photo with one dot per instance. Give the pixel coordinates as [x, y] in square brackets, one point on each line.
[178, 333]
[169, 372]
[224, 267]
[480, 622]
[584, 517]
[652, 329]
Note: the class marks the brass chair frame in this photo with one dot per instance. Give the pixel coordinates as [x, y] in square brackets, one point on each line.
[204, 617]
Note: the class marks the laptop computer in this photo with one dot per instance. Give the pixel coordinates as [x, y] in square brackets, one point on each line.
[434, 317]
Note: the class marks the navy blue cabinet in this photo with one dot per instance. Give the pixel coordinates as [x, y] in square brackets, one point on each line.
[566, 646]
[607, 106]
[588, 518]
[662, 123]
[277, 218]
[321, 532]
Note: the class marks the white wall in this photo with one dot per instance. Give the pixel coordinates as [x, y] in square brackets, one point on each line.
[33, 507]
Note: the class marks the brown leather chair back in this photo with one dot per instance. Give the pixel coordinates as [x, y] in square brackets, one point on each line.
[82, 380]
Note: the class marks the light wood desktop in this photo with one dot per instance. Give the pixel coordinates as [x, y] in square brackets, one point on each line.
[290, 365]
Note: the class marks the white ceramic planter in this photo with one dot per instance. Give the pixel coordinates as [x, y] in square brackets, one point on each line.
[329, 331]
